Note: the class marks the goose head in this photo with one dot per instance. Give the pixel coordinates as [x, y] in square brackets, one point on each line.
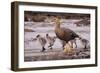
[47, 35]
[38, 36]
[57, 22]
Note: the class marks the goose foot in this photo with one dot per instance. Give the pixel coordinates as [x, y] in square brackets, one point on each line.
[43, 49]
[51, 48]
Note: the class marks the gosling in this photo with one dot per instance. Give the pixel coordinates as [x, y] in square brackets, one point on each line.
[67, 49]
[50, 40]
[42, 41]
[85, 43]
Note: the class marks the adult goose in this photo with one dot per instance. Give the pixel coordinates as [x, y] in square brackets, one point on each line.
[63, 34]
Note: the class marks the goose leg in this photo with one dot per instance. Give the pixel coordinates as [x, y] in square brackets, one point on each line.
[76, 44]
[50, 46]
[85, 48]
[63, 44]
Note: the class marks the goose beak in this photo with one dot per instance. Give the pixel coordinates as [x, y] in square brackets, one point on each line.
[56, 20]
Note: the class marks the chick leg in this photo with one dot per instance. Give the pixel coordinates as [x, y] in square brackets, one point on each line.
[43, 49]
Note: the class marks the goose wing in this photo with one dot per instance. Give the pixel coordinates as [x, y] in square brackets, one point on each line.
[69, 34]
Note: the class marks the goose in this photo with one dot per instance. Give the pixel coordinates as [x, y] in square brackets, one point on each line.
[42, 41]
[64, 34]
[85, 43]
[50, 40]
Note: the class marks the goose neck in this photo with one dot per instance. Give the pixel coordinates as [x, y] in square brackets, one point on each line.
[58, 25]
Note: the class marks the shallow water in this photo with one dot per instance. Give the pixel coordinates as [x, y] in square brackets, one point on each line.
[35, 46]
